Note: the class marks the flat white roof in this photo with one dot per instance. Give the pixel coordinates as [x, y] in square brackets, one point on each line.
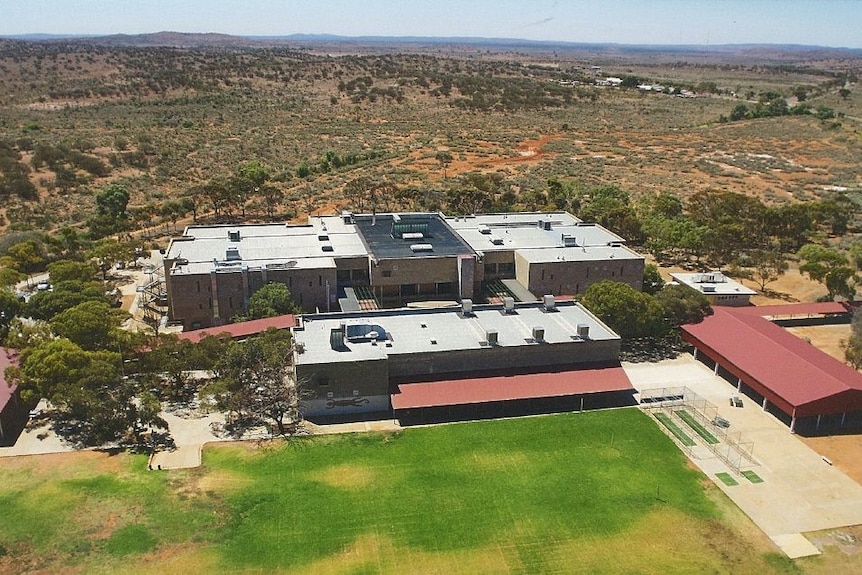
[607, 254]
[712, 283]
[519, 231]
[407, 331]
[312, 246]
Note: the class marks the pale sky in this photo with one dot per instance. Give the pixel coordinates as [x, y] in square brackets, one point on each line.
[835, 23]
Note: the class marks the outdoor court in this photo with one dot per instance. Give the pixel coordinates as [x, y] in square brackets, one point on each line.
[800, 492]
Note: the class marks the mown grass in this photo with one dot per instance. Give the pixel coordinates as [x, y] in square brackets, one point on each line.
[567, 493]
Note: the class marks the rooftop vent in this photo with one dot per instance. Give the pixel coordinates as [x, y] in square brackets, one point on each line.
[583, 331]
[233, 235]
[412, 236]
[492, 337]
[323, 237]
[549, 303]
[483, 229]
[421, 248]
[327, 247]
[496, 240]
[232, 254]
[539, 333]
[509, 304]
[467, 306]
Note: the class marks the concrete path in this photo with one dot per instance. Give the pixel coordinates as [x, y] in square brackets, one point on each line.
[800, 491]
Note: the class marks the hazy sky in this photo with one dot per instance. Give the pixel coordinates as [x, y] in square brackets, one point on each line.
[813, 22]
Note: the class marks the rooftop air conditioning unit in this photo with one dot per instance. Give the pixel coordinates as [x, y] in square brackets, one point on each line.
[509, 304]
[539, 333]
[483, 229]
[322, 237]
[421, 248]
[710, 289]
[232, 254]
[327, 247]
[412, 235]
[583, 331]
[496, 240]
[492, 337]
[569, 241]
[549, 303]
[233, 235]
[466, 306]
[347, 217]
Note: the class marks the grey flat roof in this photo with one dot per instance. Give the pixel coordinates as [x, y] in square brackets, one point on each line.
[517, 231]
[204, 248]
[427, 330]
[377, 231]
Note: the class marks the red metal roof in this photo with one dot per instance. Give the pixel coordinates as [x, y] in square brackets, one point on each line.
[7, 358]
[788, 371]
[794, 310]
[242, 329]
[509, 388]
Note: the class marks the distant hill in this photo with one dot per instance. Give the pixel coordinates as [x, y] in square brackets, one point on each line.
[332, 43]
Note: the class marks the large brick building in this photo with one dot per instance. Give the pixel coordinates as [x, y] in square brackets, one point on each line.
[333, 262]
[458, 362]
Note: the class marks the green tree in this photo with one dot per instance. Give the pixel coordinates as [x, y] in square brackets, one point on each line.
[46, 304]
[739, 112]
[87, 388]
[28, 256]
[67, 270]
[682, 305]
[829, 267]
[768, 266]
[853, 346]
[259, 382]
[10, 308]
[445, 158]
[653, 282]
[625, 310]
[10, 276]
[112, 201]
[271, 300]
[92, 325]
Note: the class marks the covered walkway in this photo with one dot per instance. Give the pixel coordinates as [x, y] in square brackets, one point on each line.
[784, 371]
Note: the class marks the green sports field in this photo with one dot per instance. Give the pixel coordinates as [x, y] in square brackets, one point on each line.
[599, 492]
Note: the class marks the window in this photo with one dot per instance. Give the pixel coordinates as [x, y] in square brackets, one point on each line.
[444, 288]
[386, 273]
[490, 269]
[408, 290]
[323, 381]
[507, 268]
[199, 286]
[319, 281]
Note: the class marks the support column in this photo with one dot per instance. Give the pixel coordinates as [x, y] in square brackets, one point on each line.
[715, 371]
[765, 403]
[695, 353]
[739, 384]
[214, 291]
[843, 417]
[793, 424]
[818, 422]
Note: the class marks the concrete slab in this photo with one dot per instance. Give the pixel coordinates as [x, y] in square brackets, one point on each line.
[800, 492]
[795, 545]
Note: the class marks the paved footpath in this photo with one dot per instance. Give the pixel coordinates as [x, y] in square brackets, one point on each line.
[800, 492]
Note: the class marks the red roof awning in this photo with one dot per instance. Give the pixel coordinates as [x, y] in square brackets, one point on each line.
[789, 371]
[242, 329]
[510, 388]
